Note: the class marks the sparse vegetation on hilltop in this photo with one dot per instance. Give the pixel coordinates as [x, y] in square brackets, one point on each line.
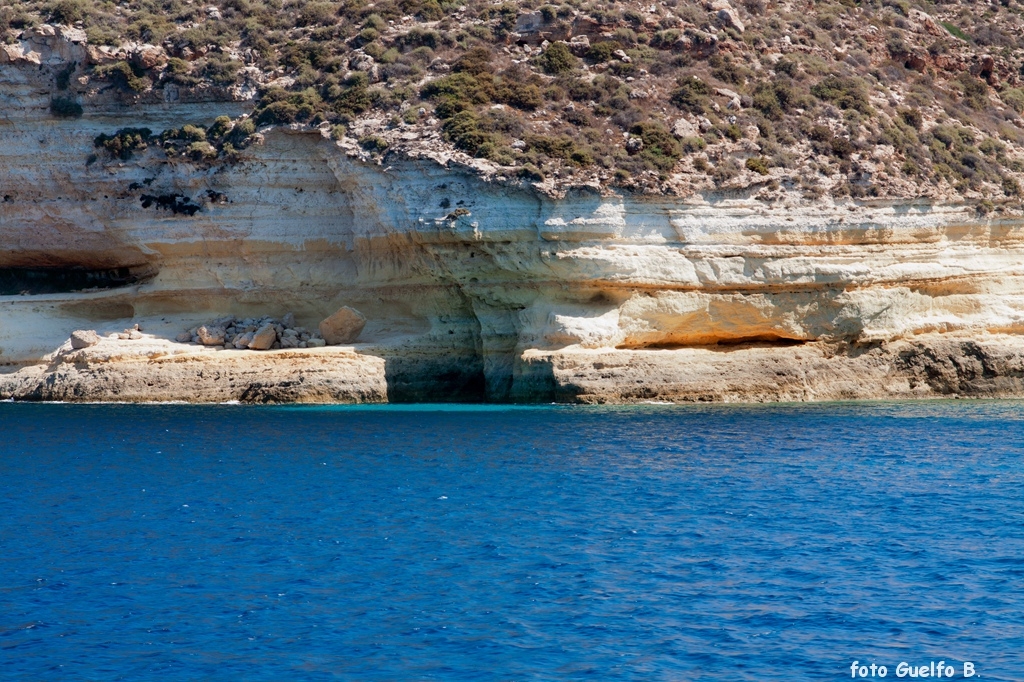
[865, 98]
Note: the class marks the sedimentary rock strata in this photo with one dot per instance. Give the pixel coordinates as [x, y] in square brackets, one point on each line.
[472, 289]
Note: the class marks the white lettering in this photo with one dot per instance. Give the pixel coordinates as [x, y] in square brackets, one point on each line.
[968, 669]
[903, 668]
[882, 671]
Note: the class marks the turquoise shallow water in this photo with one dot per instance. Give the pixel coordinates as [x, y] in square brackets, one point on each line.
[493, 543]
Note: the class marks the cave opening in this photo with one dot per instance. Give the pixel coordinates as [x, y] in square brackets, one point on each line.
[61, 280]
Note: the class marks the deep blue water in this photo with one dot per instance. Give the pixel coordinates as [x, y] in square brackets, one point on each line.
[549, 543]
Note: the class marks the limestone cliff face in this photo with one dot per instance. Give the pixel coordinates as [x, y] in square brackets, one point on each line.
[475, 289]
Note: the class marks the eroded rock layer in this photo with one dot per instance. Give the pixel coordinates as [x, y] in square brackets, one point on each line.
[476, 290]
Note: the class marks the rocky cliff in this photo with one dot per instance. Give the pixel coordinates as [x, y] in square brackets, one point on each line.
[473, 289]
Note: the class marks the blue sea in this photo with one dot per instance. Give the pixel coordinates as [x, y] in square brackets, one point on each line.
[511, 543]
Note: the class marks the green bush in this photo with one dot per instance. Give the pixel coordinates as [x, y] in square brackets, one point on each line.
[975, 91]
[240, 133]
[277, 113]
[692, 95]
[1014, 97]
[758, 164]
[692, 145]
[846, 93]
[531, 172]
[954, 31]
[375, 21]
[317, 13]
[221, 126]
[122, 75]
[557, 147]
[465, 132]
[912, 117]
[367, 35]
[557, 59]
[201, 151]
[474, 62]
[222, 71]
[125, 141]
[527, 98]
[67, 11]
[373, 143]
[602, 51]
[65, 107]
[774, 99]
[63, 78]
[788, 66]
[419, 37]
[457, 86]
[665, 39]
[660, 147]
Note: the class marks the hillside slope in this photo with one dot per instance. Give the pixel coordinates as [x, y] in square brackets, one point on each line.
[864, 99]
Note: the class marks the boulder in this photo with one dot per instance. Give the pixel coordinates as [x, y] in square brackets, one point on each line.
[316, 343]
[683, 129]
[148, 57]
[211, 336]
[579, 45]
[288, 320]
[183, 337]
[926, 21]
[11, 53]
[83, 338]
[531, 22]
[72, 34]
[343, 326]
[730, 18]
[264, 338]
[243, 340]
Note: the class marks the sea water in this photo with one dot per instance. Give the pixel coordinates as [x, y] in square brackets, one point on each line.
[549, 543]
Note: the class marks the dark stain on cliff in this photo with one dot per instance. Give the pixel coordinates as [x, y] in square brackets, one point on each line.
[175, 203]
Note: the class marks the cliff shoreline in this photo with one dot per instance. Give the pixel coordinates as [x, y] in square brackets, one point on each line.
[157, 370]
[474, 289]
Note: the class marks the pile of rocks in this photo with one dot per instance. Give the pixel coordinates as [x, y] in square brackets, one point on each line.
[133, 334]
[262, 333]
[86, 338]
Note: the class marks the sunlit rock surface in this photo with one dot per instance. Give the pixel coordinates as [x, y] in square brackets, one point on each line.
[472, 290]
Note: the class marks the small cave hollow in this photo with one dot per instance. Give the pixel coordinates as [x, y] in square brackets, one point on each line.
[175, 203]
[670, 343]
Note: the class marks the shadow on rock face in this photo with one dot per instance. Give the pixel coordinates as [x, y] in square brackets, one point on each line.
[423, 377]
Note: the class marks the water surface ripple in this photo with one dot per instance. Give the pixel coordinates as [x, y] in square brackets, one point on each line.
[549, 543]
